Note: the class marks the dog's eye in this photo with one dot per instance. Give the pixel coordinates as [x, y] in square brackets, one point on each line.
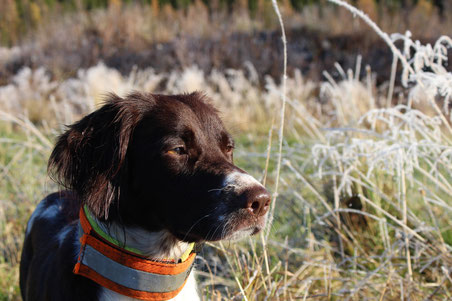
[180, 150]
[229, 148]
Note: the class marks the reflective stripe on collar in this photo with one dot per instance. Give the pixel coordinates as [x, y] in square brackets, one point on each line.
[124, 272]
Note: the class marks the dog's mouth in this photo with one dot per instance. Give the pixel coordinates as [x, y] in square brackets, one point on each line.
[233, 228]
[247, 229]
[243, 233]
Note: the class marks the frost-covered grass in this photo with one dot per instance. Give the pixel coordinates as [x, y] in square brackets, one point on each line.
[360, 181]
[363, 208]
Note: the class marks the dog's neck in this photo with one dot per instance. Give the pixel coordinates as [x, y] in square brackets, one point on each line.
[158, 245]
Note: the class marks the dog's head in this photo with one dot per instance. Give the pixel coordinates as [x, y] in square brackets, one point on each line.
[160, 163]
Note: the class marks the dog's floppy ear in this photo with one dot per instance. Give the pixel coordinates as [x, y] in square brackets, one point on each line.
[90, 156]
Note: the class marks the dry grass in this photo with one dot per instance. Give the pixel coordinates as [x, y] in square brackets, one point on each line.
[363, 209]
[144, 35]
[338, 229]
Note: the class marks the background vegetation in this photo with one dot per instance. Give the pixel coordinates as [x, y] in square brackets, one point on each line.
[125, 35]
[19, 17]
[363, 210]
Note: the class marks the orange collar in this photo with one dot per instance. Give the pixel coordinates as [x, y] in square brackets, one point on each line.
[128, 273]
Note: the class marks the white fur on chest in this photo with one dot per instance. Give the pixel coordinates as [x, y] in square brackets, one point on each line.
[155, 245]
[188, 293]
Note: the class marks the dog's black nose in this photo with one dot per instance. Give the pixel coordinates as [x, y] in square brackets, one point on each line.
[258, 201]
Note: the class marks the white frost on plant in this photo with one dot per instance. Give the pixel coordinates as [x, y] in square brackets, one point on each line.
[230, 90]
[9, 54]
[427, 64]
[391, 138]
[398, 136]
[27, 86]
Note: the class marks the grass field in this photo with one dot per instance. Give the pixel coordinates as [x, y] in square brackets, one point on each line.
[363, 210]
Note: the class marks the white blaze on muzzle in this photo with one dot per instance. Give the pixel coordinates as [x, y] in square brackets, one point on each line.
[240, 181]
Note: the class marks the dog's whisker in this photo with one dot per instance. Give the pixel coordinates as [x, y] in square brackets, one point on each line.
[188, 232]
[214, 232]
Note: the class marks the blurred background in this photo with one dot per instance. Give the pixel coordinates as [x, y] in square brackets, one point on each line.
[66, 35]
[363, 209]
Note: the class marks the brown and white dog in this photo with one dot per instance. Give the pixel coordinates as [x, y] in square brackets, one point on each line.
[153, 174]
